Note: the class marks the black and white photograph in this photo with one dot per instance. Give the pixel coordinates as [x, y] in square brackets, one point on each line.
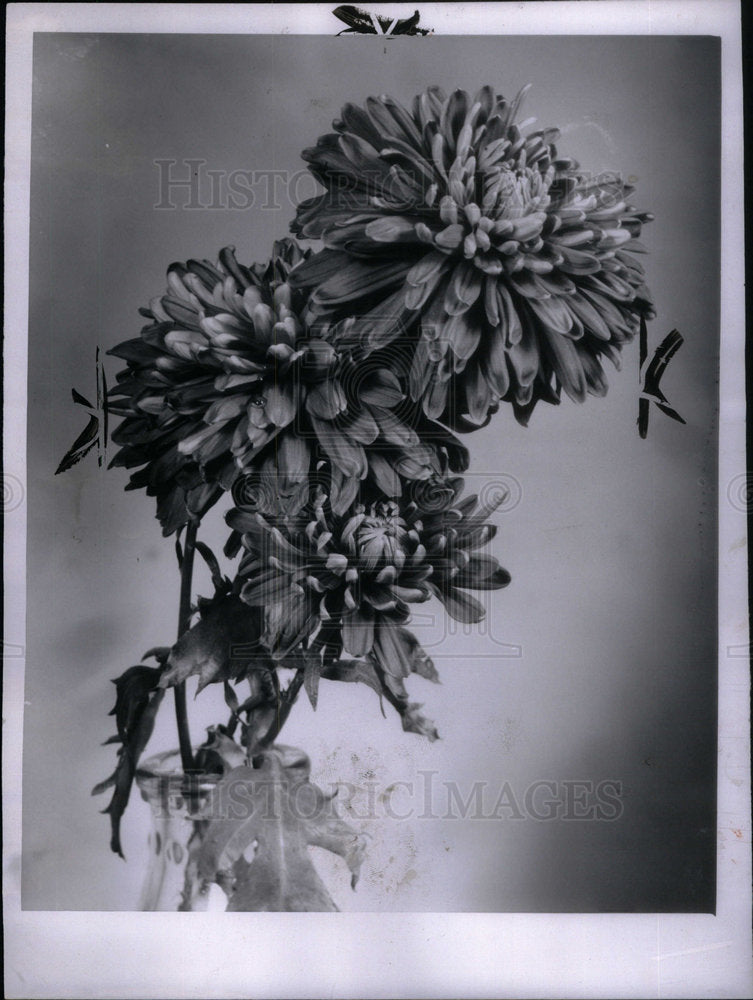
[380, 525]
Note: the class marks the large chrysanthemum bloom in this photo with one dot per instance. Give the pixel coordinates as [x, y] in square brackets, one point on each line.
[225, 378]
[354, 577]
[515, 266]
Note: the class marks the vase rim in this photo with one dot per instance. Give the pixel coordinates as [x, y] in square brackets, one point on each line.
[167, 765]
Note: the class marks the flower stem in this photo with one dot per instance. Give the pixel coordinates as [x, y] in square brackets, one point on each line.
[287, 701]
[184, 618]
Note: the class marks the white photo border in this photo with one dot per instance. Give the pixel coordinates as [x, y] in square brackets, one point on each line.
[67, 954]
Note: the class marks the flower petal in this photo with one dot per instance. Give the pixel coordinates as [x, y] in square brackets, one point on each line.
[460, 606]
[347, 455]
[384, 475]
[450, 237]
[555, 315]
[482, 572]
[462, 332]
[567, 365]
[494, 361]
[392, 229]
[477, 393]
[280, 403]
[358, 279]
[381, 388]
[463, 289]
[358, 630]
[326, 400]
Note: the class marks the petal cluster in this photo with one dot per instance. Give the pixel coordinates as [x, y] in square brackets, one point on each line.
[513, 266]
[225, 379]
[352, 577]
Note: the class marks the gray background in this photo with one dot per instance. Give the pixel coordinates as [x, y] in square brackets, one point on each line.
[612, 547]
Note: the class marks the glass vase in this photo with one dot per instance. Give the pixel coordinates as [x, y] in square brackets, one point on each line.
[169, 883]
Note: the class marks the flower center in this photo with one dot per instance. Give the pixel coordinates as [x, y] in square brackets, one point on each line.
[517, 192]
[381, 535]
[496, 235]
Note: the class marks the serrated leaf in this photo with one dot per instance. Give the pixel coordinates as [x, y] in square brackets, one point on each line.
[354, 672]
[414, 721]
[261, 823]
[140, 718]
[134, 689]
[136, 704]
[420, 661]
[104, 785]
[223, 645]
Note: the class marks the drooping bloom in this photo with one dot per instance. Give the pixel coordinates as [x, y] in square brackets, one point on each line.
[226, 379]
[511, 267]
[354, 576]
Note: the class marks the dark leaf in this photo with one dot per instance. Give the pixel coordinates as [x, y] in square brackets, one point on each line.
[232, 545]
[360, 22]
[134, 689]
[654, 372]
[670, 412]
[160, 653]
[662, 356]
[643, 344]
[353, 671]
[211, 560]
[80, 447]
[644, 410]
[356, 19]
[139, 712]
[223, 645]
[105, 411]
[108, 782]
[100, 396]
[311, 675]
[172, 512]
[82, 400]
[408, 25]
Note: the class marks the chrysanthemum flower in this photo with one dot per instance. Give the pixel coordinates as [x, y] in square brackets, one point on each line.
[515, 266]
[225, 378]
[356, 575]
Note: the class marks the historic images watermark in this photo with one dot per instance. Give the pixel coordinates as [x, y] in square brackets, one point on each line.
[192, 185]
[424, 798]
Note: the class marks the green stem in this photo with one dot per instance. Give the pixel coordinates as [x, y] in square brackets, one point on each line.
[184, 619]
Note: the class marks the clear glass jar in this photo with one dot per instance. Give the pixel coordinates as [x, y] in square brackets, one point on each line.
[170, 882]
